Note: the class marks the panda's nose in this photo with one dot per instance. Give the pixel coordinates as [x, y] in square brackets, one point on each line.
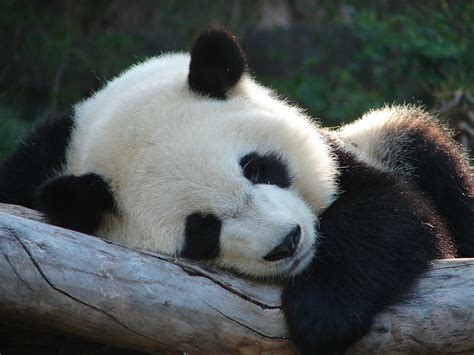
[287, 247]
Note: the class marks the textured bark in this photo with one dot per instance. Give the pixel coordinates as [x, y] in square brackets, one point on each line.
[74, 284]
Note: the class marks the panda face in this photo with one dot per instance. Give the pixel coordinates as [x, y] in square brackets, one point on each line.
[223, 188]
[264, 229]
[227, 173]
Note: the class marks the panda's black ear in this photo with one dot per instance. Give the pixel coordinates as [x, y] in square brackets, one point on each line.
[217, 63]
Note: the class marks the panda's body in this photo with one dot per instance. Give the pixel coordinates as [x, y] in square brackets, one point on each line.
[188, 156]
[405, 140]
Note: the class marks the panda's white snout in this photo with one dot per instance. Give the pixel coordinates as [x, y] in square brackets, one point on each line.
[287, 248]
[273, 233]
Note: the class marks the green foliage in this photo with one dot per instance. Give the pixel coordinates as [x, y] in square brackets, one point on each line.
[414, 55]
[336, 66]
[11, 130]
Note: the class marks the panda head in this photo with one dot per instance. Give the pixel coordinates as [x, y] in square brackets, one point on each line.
[205, 163]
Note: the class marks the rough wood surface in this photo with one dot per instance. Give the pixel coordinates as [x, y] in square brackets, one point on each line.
[70, 283]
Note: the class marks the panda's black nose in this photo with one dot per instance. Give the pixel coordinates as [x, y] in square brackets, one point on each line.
[287, 247]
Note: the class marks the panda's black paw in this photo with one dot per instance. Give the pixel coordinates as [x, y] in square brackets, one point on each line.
[321, 322]
[75, 202]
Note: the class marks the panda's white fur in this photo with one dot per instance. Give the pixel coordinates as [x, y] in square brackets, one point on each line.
[168, 152]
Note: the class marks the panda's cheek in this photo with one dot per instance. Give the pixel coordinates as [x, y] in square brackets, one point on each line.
[309, 227]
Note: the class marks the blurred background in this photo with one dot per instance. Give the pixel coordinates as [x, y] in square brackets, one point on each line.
[336, 58]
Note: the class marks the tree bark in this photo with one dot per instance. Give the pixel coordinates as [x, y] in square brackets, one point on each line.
[74, 284]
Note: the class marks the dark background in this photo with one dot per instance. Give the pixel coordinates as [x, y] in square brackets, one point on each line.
[337, 59]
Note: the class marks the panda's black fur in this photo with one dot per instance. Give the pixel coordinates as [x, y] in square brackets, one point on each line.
[441, 171]
[376, 239]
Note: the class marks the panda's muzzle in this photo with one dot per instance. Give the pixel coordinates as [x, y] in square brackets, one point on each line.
[287, 248]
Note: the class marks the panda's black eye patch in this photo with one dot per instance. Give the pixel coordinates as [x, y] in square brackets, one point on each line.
[202, 233]
[265, 169]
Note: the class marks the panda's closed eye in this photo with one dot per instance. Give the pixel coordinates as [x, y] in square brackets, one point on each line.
[265, 169]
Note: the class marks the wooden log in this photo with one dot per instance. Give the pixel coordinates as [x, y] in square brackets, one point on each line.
[105, 292]
[75, 284]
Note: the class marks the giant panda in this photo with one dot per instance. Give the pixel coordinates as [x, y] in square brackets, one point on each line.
[187, 155]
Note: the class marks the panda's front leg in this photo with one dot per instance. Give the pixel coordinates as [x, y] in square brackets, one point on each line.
[375, 242]
[75, 202]
[324, 319]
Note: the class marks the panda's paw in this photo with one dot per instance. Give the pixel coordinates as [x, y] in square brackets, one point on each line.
[75, 202]
[322, 323]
